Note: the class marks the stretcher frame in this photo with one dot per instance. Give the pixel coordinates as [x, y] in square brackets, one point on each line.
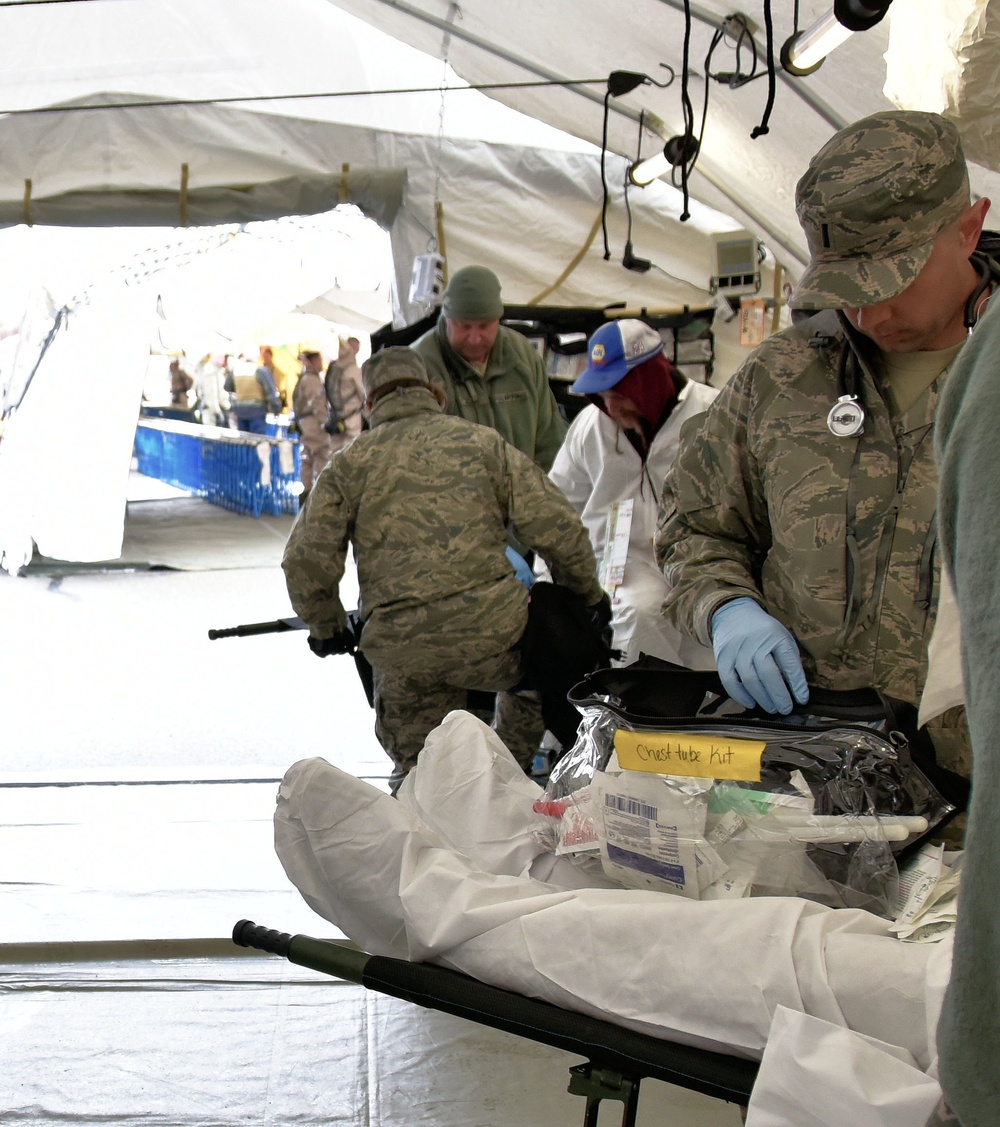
[617, 1059]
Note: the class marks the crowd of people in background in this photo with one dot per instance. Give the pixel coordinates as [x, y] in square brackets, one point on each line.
[323, 405]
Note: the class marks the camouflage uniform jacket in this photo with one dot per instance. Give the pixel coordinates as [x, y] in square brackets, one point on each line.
[311, 411]
[425, 499]
[513, 397]
[834, 536]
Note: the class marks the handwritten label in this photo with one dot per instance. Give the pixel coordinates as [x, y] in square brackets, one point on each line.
[688, 753]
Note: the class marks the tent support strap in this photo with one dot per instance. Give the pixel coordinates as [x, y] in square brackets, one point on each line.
[183, 199]
[573, 264]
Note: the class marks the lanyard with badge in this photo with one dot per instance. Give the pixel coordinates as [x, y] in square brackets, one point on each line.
[616, 540]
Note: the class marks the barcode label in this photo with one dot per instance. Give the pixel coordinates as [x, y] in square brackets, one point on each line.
[631, 806]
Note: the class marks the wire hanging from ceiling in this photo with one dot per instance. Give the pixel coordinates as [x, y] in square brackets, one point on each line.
[161, 103]
[621, 82]
[762, 128]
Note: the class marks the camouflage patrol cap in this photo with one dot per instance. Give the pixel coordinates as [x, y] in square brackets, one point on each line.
[398, 366]
[871, 203]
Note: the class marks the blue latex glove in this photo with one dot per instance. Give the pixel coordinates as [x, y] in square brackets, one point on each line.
[757, 658]
[521, 569]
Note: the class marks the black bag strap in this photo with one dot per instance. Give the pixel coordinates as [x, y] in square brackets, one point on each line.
[651, 689]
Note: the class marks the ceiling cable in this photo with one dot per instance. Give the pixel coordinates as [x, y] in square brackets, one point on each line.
[160, 103]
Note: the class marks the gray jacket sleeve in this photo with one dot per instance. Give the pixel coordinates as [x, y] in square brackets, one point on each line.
[966, 432]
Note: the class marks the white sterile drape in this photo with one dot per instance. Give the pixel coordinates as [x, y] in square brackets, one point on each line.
[448, 873]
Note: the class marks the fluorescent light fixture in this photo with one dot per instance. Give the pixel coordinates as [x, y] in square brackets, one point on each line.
[677, 150]
[803, 53]
[646, 171]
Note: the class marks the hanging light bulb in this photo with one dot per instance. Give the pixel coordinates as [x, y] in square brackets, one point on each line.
[804, 52]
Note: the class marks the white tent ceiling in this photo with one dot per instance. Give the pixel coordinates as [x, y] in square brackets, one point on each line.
[140, 112]
[524, 42]
[208, 113]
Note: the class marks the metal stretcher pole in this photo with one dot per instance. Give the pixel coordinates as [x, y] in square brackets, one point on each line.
[618, 1058]
[279, 625]
[276, 626]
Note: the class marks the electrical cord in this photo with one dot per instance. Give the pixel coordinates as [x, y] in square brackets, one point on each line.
[761, 129]
[735, 28]
[620, 82]
[605, 199]
[629, 260]
[686, 156]
[734, 79]
[164, 103]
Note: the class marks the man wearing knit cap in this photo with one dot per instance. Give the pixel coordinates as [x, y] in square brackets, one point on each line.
[611, 468]
[426, 500]
[798, 525]
[491, 374]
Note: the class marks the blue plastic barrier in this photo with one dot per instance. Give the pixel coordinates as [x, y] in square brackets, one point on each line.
[223, 466]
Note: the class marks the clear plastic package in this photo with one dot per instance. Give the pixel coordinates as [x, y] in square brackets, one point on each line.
[676, 788]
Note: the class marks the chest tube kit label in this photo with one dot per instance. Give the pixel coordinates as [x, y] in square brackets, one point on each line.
[690, 754]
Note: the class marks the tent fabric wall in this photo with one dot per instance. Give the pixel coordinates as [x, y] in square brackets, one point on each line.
[243, 165]
[157, 163]
[175, 49]
[527, 213]
[958, 42]
[66, 451]
[121, 162]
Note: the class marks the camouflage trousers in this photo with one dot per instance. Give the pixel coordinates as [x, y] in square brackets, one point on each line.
[518, 722]
[408, 708]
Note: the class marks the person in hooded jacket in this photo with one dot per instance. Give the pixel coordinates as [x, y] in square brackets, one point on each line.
[611, 467]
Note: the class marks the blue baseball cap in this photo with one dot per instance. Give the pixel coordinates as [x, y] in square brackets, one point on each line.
[614, 350]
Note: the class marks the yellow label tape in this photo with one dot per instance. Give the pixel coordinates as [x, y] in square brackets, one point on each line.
[686, 753]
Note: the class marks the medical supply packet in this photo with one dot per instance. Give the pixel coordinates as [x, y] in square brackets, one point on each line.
[677, 788]
[926, 908]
